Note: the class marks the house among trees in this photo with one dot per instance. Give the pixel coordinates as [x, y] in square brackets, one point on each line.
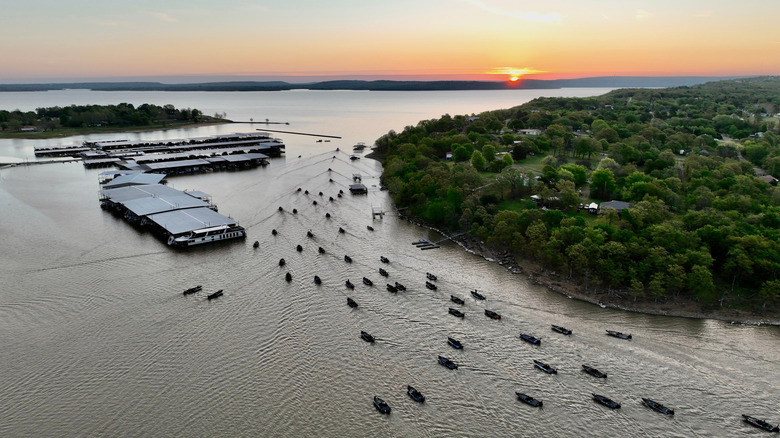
[617, 205]
[529, 132]
[769, 179]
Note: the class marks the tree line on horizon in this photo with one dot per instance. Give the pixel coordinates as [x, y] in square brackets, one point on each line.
[702, 221]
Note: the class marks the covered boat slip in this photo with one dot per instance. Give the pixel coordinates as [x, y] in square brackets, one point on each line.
[134, 179]
[221, 162]
[178, 223]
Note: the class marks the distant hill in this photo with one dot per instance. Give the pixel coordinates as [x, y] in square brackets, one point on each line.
[378, 85]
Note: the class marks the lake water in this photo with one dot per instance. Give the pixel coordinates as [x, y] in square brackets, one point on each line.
[98, 340]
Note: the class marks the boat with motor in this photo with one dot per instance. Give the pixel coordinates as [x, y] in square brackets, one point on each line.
[760, 423]
[492, 314]
[256, 244]
[457, 300]
[618, 334]
[456, 312]
[391, 288]
[530, 339]
[529, 400]
[349, 284]
[317, 279]
[207, 235]
[216, 294]
[309, 234]
[299, 248]
[381, 405]
[415, 394]
[430, 276]
[544, 367]
[400, 286]
[454, 343]
[288, 277]
[383, 273]
[594, 372]
[654, 405]
[351, 302]
[559, 329]
[384, 259]
[359, 146]
[274, 232]
[477, 295]
[448, 363]
[192, 290]
[366, 337]
[321, 250]
[282, 262]
[369, 228]
[367, 282]
[348, 259]
[430, 285]
[341, 230]
[606, 401]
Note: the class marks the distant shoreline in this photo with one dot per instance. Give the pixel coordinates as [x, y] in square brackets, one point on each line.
[65, 132]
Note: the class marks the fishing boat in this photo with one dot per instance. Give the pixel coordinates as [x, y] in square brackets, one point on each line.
[383, 273]
[544, 367]
[559, 329]
[430, 276]
[216, 294]
[299, 248]
[321, 250]
[529, 400]
[391, 288]
[367, 282]
[400, 286]
[351, 302]
[477, 295]
[381, 406]
[288, 277]
[430, 285]
[384, 259]
[760, 423]
[282, 262]
[366, 337]
[457, 300]
[608, 402]
[657, 406]
[192, 290]
[349, 284]
[594, 372]
[348, 259]
[456, 312]
[448, 363]
[618, 334]
[454, 343]
[531, 339]
[492, 314]
[317, 280]
[415, 394]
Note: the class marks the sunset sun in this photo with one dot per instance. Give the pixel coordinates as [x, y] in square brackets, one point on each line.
[514, 74]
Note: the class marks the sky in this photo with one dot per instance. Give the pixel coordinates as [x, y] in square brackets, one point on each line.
[301, 40]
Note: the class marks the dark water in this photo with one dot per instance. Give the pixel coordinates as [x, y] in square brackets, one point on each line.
[97, 339]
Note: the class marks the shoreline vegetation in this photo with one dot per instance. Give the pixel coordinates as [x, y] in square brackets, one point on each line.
[693, 227]
[74, 120]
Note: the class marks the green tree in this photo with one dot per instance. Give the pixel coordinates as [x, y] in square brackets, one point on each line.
[602, 184]
[478, 160]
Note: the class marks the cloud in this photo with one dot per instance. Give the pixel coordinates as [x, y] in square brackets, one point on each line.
[642, 14]
[514, 71]
[552, 17]
[162, 16]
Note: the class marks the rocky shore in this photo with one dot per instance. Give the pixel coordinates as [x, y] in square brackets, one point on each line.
[558, 283]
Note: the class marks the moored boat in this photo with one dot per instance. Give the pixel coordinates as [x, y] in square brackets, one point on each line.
[391, 288]
[348, 259]
[529, 400]
[369, 228]
[299, 248]
[454, 343]
[430, 285]
[492, 314]
[415, 394]
[192, 290]
[657, 406]
[207, 235]
[282, 262]
[544, 367]
[317, 279]
[349, 284]
[288, 277]
[321, 250]
[457, 300]
[477, 295]
[606, 401]
[594, 372]
[618, 334]
[400, 286]
[384, 259]
[559, 329]
[256, 244]
[367, 282]
[456, 312]
[366, 337]
[448, 363]
[528, 338]
[383, 273]
[274, 232]
[760, 423]
[430, 276]
[381, 405]
[309, 234]
[216, 294]
[351, 302]
[341, 230]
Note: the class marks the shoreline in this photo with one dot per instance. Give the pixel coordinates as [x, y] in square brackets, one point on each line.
[58, 134]
[554, 282]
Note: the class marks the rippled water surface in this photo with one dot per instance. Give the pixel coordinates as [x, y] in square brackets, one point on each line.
[98, 340]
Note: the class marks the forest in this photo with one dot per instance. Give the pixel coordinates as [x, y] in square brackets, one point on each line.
[697, 167]
[95, 117]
